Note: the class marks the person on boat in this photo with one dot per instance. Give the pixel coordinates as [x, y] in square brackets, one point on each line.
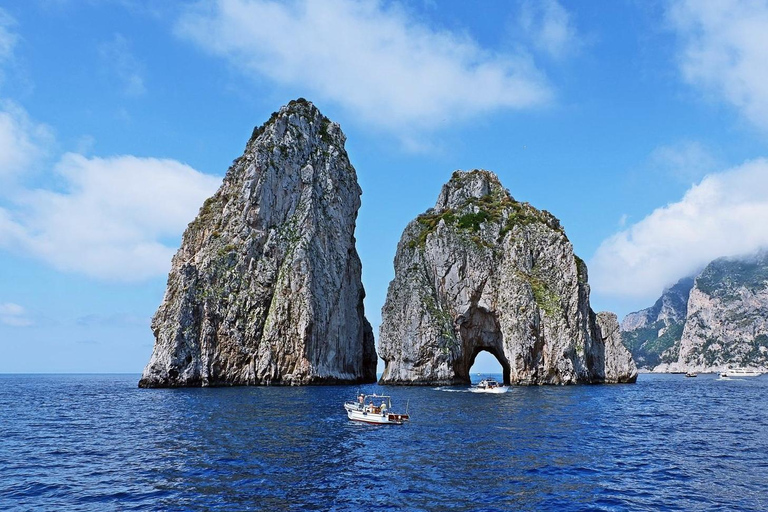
[383, 407]
[360, 399]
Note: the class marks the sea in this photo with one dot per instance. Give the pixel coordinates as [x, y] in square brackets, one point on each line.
[98, 442]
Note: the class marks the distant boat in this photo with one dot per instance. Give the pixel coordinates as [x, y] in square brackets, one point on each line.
[489, 386]
[375, 409]
[691, 374]
[740, 372]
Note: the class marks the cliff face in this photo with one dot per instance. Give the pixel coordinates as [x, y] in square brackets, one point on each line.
[653, 334]
[481, 271]
[724, 322]
[266, 288]
[727, 321]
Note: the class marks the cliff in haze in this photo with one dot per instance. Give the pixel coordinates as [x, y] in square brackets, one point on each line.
[483, 272]
[266, 288]
[653, 334]
[725, 323]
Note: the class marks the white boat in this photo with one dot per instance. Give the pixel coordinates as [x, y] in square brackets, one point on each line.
[691, 374]
[489, 386]
[375, 409]
[740, 372]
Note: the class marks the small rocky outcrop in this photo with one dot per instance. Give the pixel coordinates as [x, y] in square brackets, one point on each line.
[653, 334]
[266, 288]
[727, 324]
[482, 271]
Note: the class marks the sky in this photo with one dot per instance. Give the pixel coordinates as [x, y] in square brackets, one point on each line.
[641, 125]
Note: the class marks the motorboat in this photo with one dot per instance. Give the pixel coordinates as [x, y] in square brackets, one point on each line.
[489, 386]
[691, 374]
[375, 409]
[740, 372]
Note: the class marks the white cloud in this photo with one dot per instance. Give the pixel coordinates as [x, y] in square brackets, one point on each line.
[724, 50]
[686, 161]
[22, 141]
[14, 315]
[118, 57]
[548, 25]
[726, 214]
[371, 58]
[111, 220]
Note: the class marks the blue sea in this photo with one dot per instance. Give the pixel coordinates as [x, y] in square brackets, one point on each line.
[97, 442]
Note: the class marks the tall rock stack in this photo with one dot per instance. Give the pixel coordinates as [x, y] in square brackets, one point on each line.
[483, 272]
[266, 286]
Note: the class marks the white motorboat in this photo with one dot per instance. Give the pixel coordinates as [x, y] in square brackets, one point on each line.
[740, 372]
[489, 386]
[691, 374]
[375, 409]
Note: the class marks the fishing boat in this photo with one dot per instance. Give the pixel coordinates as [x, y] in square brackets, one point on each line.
[740, 372]
[375, 409]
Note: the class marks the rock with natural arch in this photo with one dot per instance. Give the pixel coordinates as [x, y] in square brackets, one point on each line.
[483, 272]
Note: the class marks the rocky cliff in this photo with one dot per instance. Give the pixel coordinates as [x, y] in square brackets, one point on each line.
[265, 288]
[724, 322]
[482, 271]
[727, 322]
[653, 334]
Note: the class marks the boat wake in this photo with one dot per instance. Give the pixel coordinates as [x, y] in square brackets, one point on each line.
[499, 390]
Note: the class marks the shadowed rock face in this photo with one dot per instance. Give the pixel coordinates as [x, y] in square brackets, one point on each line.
[481, 271]
[266, 288]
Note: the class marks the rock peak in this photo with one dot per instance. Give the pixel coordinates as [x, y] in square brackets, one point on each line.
[300, 117]
[466, 185]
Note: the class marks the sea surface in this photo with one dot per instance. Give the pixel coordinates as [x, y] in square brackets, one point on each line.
[97, 442]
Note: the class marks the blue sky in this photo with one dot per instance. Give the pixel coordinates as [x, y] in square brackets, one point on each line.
[643, 126]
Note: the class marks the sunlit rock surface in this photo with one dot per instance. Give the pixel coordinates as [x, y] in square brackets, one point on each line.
[482, 271]
[266, 286]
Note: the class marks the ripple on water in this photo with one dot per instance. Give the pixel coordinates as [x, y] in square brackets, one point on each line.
[92, 442]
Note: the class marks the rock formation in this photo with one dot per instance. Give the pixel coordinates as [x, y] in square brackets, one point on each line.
[653, 334]
[724, 322]
[265, 288]
[481, 271]
[727, 322]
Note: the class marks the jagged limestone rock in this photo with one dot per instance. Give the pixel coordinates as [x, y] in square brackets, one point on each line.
[481, 271]
[653, 334]
[727, 323]
[266, 288]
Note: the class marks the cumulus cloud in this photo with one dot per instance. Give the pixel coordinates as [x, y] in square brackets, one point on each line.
[22, 141]
[724, 50]
[14, 315]
[726, 214]
[550, 28]
[113, 218]
[371, 58]
[118, 57]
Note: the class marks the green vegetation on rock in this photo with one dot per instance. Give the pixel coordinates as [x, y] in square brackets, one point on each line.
[722, 276]
[494, 207]
[648, 348]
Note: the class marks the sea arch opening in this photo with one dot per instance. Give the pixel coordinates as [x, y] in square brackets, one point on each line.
[480, 332]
